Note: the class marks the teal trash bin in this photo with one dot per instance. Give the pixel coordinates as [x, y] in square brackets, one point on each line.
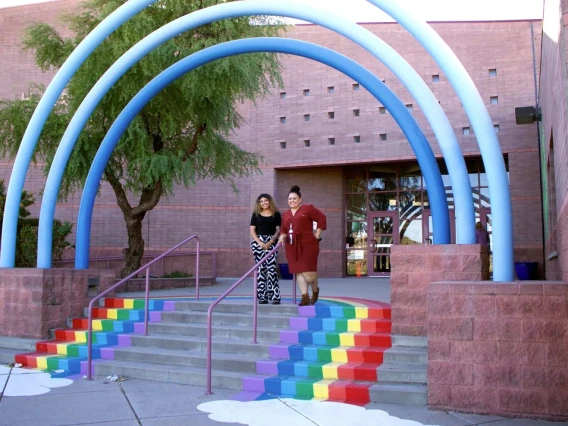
[284, 272]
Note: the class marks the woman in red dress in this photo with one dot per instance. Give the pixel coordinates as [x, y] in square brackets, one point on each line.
[302, 243]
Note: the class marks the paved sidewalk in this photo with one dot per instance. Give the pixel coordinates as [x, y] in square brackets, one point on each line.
[138, 402]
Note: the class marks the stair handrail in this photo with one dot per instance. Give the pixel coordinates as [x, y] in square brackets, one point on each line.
[146, 296]
[254, 270]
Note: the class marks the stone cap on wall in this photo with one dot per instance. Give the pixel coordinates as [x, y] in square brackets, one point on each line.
[504, 288]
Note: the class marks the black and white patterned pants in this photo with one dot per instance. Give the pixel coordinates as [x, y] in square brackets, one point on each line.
[267, 286]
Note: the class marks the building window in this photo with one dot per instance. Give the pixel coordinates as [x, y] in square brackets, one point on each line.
[383, 136]
[356, 112]
[492, 72]
[307, 143]
[356, 139]
[282, 145]
[282, 95]
[306, 92]
[466, 131]
[282, 120]
[306, 117]
[497, 128]
[494, 100]
[330, 89]
[331, 141]
[382, 110]
[331, 115]
[435, 78]
[356, 86]
[409, 107]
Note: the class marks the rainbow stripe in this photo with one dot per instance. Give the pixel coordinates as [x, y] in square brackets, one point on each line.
[331, 352]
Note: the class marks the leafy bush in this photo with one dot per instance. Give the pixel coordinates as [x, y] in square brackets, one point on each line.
[177, 274]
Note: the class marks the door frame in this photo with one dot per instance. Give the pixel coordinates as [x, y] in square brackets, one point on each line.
[371, 257]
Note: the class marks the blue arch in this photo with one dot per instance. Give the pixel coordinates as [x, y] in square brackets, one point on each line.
[440, 125]
[408, 124]
[498, 181]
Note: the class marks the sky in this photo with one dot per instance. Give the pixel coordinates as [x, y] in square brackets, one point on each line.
[430, 10]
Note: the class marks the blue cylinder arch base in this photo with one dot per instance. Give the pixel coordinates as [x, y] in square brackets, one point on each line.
[376, 87]
[453, 157]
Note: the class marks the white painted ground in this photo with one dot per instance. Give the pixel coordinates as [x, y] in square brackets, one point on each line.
[26, 382]
[285, 412]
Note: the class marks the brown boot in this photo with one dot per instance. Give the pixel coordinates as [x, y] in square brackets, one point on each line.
[315, 296]
[305, 300]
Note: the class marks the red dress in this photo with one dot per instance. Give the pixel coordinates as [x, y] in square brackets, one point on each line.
[302, 254]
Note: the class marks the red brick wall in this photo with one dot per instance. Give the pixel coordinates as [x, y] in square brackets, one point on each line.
[499, 348]
[221, 217]
[414, 267]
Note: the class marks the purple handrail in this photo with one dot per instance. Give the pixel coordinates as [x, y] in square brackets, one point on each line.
[147, 296]
[255, 311]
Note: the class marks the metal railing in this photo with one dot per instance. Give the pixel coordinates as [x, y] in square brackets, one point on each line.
[109, 259]
[254, 270]
[146, 297]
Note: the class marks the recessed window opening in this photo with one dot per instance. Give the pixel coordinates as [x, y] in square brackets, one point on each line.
[382, 110]
[356, 139]
[492, 72]
[306, 117]
[282, 145]
[356, 86]
[356, 112]
[331, 141]
[282, 95]
[496, 128]
[306, 92]
[282, 120]
[330, 89]
[466, 131]
[331, 115]
[494, 100]
[435, 78]
[409, 107]
[307, 143]
[383, 136]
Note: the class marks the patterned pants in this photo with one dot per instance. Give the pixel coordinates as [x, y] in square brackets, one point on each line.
[268, 289]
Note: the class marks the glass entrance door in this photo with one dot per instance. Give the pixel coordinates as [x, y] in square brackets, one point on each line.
[382, 231]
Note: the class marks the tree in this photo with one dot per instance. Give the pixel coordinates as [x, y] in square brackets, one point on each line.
[180, 137]
[26, 237]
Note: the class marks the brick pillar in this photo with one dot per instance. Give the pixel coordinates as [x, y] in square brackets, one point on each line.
[413, 267]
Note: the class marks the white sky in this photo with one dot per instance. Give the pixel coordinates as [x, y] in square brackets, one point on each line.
[430, 10]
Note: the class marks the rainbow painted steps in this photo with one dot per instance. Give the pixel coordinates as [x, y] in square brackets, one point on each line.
[112, 325]
[331, 351]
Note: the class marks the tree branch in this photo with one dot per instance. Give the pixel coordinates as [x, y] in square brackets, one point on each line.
[193, 147]
[149, 199]
[118, 189]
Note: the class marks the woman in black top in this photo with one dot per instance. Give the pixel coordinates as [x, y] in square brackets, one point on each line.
[264, 230]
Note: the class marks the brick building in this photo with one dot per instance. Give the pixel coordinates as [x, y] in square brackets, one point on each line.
[331, 137]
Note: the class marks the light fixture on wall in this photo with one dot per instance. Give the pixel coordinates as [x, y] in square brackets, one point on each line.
[528, 115]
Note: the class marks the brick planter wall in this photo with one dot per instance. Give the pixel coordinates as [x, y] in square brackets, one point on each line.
[499, 348]
[34, 300]
[413, 267]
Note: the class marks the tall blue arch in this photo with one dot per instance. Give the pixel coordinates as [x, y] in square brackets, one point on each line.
[417, 87]
[420, 146]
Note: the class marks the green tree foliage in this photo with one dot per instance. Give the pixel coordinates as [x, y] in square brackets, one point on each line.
[180, 137]
[26, 238]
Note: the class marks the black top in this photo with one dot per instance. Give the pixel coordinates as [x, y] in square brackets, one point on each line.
[266, 225]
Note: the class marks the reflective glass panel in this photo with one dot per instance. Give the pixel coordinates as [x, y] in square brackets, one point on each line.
[356, 235]
[383, 244]
[381, 264]
[356, 207]
[356, 263]
[382, 178]
[410, 232]
[384, 201]
[383, 225]
[410, 204]
[410, 177]
[356, 181]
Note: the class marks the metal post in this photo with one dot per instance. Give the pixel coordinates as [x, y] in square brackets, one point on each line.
[209, 344]
[255, 306]
[294, 288]
[197, 272]
[147, 304]
[90, 343]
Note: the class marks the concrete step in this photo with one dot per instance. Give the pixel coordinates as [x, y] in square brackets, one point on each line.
[268, 334]
[403, 373]
[410, 341]
[219, 318]
[220, 361]
[10, 346]
[172, 374]
[406, 355]
[399, 393]
[189, 343]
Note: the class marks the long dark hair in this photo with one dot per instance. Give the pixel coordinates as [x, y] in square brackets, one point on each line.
[258, 209]
[295, 190]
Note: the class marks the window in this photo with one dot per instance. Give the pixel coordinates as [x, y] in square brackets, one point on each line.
[384, 80]
[435, 78]
[356, 86]
[306, 117]
[496, 128]
[330, 89]
[282, 120]
[382, 110]
[282, 145]
[409, 107]
[282, 95]
[356, 139]
[383, 136]
[466, 131]
[356, 112]
[331, 115]
[492, 72]
[306, 92]
[331, 141]
[307, 143]
[494, 100]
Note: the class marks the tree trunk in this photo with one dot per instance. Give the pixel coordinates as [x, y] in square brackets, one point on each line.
[133, 254]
